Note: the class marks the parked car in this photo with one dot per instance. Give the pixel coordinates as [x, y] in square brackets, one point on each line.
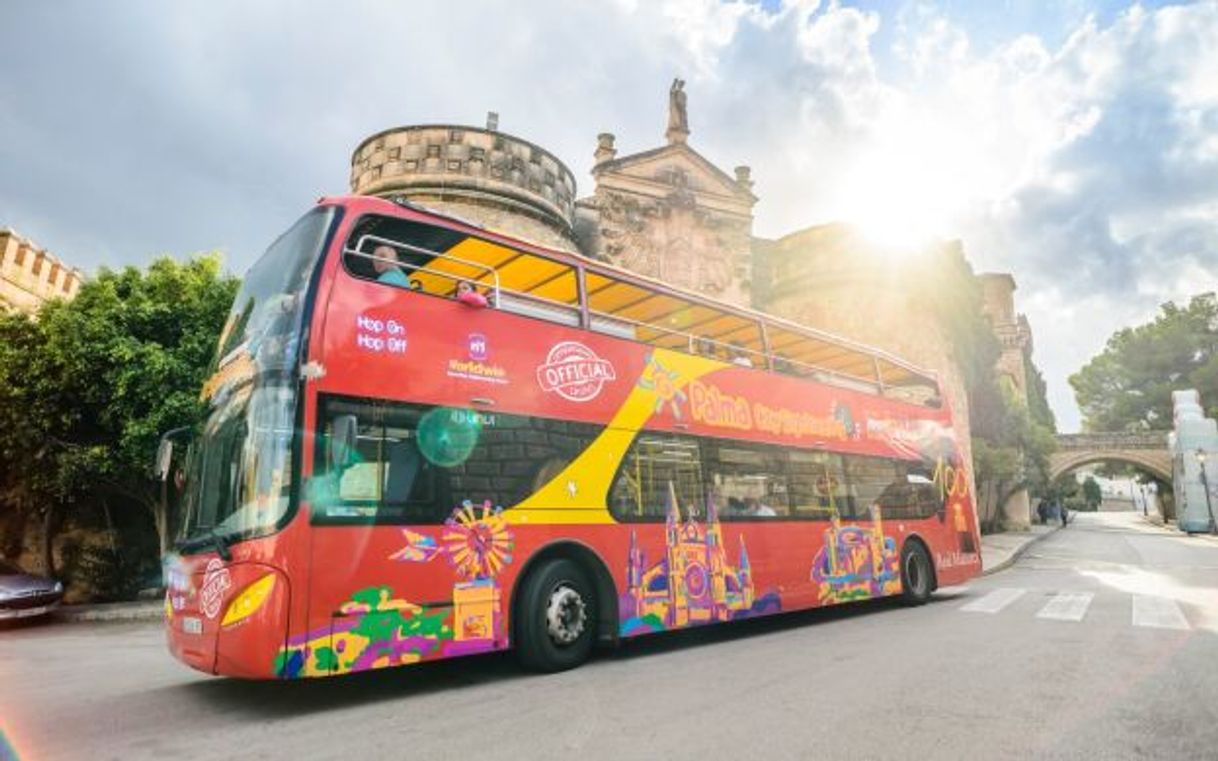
[25, 594]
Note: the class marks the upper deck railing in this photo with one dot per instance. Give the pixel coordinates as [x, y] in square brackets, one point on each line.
[561, 289]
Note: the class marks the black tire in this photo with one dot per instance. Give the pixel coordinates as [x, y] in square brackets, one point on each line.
[917, 575]
[563, 585]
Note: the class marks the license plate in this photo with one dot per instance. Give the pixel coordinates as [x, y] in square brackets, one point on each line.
[192, 625]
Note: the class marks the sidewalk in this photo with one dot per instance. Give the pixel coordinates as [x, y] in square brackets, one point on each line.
[999, 551]
[143, 610]
[1169, 527]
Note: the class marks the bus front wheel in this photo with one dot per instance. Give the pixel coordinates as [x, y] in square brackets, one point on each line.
[916, 574]
[555, 617]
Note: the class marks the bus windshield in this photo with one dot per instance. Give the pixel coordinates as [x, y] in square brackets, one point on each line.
[264, 323]
[239, 467]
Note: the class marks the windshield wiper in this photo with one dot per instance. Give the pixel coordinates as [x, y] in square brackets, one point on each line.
[206, 537]
[219, 543]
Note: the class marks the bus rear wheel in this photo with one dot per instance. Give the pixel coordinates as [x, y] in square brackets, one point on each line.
[555, 617]
[916, 574]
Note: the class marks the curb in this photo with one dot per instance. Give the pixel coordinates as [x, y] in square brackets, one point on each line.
[1169, 528]
[1019, 551]
[110, 612]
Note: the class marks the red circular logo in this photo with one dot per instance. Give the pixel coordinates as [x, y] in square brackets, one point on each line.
[574, 372]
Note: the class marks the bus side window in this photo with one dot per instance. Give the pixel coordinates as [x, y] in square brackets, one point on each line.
[929, 497]
[415, 464]
[657, 468]
[409, 478]
[747, 481]
[818, 485]
[351, 489]
[386, 477]
[876, 481]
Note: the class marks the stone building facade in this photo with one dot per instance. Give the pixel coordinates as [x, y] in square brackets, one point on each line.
[672, 215]
[30, 276]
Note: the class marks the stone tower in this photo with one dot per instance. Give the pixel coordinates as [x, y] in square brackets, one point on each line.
[1015, 336]
[485, 176]
[1013, 332]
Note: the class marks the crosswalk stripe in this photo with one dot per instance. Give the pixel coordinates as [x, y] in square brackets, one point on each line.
[1067, 606]
[1158, 613]
[994, 601]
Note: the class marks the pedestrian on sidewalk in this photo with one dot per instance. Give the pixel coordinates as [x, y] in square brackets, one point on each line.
[1042, 511]
[1065, 514]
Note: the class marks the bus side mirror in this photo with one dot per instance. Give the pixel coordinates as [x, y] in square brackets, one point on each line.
[342, 440]
[164, 456]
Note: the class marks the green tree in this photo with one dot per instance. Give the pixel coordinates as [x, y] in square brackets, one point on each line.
[1128, 386]
[1038, 395]
[1011, 441]
[28, 483]
[95, 381]
[1091, 493]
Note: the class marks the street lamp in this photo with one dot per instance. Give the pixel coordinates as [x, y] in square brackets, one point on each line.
[1205, 484]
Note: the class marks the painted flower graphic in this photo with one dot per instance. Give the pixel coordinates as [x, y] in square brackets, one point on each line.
[664, 383]
[477, 540]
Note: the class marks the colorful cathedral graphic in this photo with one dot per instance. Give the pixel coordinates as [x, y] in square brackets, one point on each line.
[693, 583]
[856, 562]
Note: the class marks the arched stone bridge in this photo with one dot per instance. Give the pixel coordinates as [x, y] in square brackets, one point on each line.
[1147, 451]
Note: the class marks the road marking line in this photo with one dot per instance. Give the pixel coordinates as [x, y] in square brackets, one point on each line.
[994, 601]
[1158, 613]
[1067, 606]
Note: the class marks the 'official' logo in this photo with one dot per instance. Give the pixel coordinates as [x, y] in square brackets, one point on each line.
[215, 583]
[574, 372]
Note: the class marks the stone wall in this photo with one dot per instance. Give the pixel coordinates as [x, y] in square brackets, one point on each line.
[30, 276]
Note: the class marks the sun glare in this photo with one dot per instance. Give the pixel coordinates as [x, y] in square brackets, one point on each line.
[908, 187]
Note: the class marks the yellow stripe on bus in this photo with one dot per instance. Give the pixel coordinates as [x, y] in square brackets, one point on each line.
[579, 493]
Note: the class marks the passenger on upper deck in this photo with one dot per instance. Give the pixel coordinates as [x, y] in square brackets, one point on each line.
[385, 262]
[468, 295]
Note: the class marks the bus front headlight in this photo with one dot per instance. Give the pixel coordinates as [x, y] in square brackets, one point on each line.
[249, 600]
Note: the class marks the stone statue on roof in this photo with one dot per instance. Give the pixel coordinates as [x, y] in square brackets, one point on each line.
[678, 119]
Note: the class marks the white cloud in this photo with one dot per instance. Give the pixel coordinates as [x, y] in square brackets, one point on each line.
[1087, 166]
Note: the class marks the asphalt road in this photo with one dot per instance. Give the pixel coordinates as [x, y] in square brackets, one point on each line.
[1101, 642]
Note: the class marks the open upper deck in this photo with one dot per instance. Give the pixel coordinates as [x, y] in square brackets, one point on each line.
[436, 252]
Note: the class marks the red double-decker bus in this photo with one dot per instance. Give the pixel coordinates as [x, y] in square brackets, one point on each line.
[425, 440]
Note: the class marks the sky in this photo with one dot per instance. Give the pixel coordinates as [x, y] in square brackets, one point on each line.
[1073, 144]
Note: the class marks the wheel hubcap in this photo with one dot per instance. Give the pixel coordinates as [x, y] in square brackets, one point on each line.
[565, 615]
[913, 573]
